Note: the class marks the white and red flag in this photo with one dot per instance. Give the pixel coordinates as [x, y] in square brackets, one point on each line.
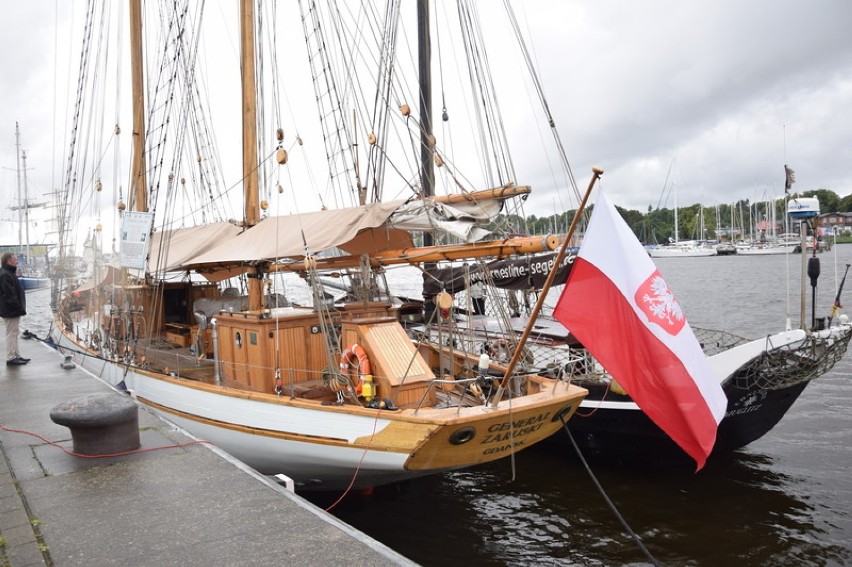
[619, 307]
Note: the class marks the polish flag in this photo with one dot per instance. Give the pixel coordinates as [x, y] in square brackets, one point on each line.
[619, 307]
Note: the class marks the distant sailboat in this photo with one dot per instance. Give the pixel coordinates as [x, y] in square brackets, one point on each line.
[768, 242]
[30, 275]
[681, 248]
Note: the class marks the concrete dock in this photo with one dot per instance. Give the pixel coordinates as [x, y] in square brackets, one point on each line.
[175, 502]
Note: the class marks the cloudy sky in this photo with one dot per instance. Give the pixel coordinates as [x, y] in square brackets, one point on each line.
[726, 91]
[714, 97]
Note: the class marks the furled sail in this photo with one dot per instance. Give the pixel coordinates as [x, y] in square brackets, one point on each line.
[366, 229]
[171, 249]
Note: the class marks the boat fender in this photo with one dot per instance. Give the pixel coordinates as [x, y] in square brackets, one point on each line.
[444, 301]
[616, 388]
[484, 364]
[367, 388]
[279, 385]
[356, 353]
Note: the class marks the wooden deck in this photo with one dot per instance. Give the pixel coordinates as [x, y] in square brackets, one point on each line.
[181, 362]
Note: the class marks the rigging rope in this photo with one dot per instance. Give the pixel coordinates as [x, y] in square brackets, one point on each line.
[606, 497]
[70, 183]
[540, 91]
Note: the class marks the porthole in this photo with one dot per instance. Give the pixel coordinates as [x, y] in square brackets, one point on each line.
[462, 436]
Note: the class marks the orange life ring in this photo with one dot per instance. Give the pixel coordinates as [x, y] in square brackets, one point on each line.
[355, 353]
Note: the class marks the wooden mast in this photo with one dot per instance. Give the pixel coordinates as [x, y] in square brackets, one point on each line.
[251, 212]
[138, 191]
[427, 170]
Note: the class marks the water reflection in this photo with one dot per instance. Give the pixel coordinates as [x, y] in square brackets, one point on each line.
[739, 510]
[783, 500]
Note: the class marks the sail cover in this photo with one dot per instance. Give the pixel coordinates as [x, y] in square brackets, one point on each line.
[293, 236]
[108, 276]
[170, 249]
[356, 230]
[463, 220]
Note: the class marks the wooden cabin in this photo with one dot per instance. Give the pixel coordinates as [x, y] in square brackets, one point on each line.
[253, 346]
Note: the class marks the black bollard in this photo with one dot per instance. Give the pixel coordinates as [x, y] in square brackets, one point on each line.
[100, 424]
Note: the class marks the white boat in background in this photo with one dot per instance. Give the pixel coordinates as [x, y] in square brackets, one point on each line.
[682, 249]
[782, 245]
[765, 239]
[767, 248]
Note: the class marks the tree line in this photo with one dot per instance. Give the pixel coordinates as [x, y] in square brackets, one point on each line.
[719, 222]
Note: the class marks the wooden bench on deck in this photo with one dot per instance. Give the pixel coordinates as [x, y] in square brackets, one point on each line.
[178, 334]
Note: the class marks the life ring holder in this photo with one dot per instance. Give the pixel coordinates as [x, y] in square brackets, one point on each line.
[355, 353]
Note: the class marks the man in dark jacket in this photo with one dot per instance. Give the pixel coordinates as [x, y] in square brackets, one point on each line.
[13, 306]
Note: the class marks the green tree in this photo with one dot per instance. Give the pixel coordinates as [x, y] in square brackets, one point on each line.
[845, 205]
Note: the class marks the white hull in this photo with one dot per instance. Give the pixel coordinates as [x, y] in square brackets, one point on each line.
[680, 252]
[329, 448]
[228, 416]
[764, 250]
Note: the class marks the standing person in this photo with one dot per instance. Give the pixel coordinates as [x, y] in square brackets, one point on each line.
[477, 295]
[13, 306]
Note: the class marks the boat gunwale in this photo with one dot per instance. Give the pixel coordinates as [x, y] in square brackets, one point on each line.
[423, 415]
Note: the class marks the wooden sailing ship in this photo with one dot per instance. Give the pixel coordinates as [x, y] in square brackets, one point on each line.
[332, 395]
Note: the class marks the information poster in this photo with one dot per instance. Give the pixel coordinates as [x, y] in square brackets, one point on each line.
[135, 231]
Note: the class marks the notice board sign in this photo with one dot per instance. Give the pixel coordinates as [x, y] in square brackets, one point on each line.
[135, 233]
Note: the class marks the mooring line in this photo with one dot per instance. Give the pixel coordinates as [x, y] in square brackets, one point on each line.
[607, 499]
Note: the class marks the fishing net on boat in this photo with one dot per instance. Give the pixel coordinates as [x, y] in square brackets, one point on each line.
[774, 369]
[578, 362]
[794, 363]
[713, 341]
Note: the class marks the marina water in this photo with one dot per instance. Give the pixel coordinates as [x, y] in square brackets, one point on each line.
[786, 499]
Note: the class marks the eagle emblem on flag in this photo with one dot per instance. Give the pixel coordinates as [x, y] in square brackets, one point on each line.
[658, 303]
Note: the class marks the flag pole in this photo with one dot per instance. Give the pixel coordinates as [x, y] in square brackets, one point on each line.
[596, 174]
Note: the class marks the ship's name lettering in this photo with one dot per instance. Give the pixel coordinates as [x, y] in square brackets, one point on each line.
[507, 435]
[743, 411]
[519, 423]
[504, 448]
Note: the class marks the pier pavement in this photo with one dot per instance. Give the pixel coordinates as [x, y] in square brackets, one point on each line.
[172, 504]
